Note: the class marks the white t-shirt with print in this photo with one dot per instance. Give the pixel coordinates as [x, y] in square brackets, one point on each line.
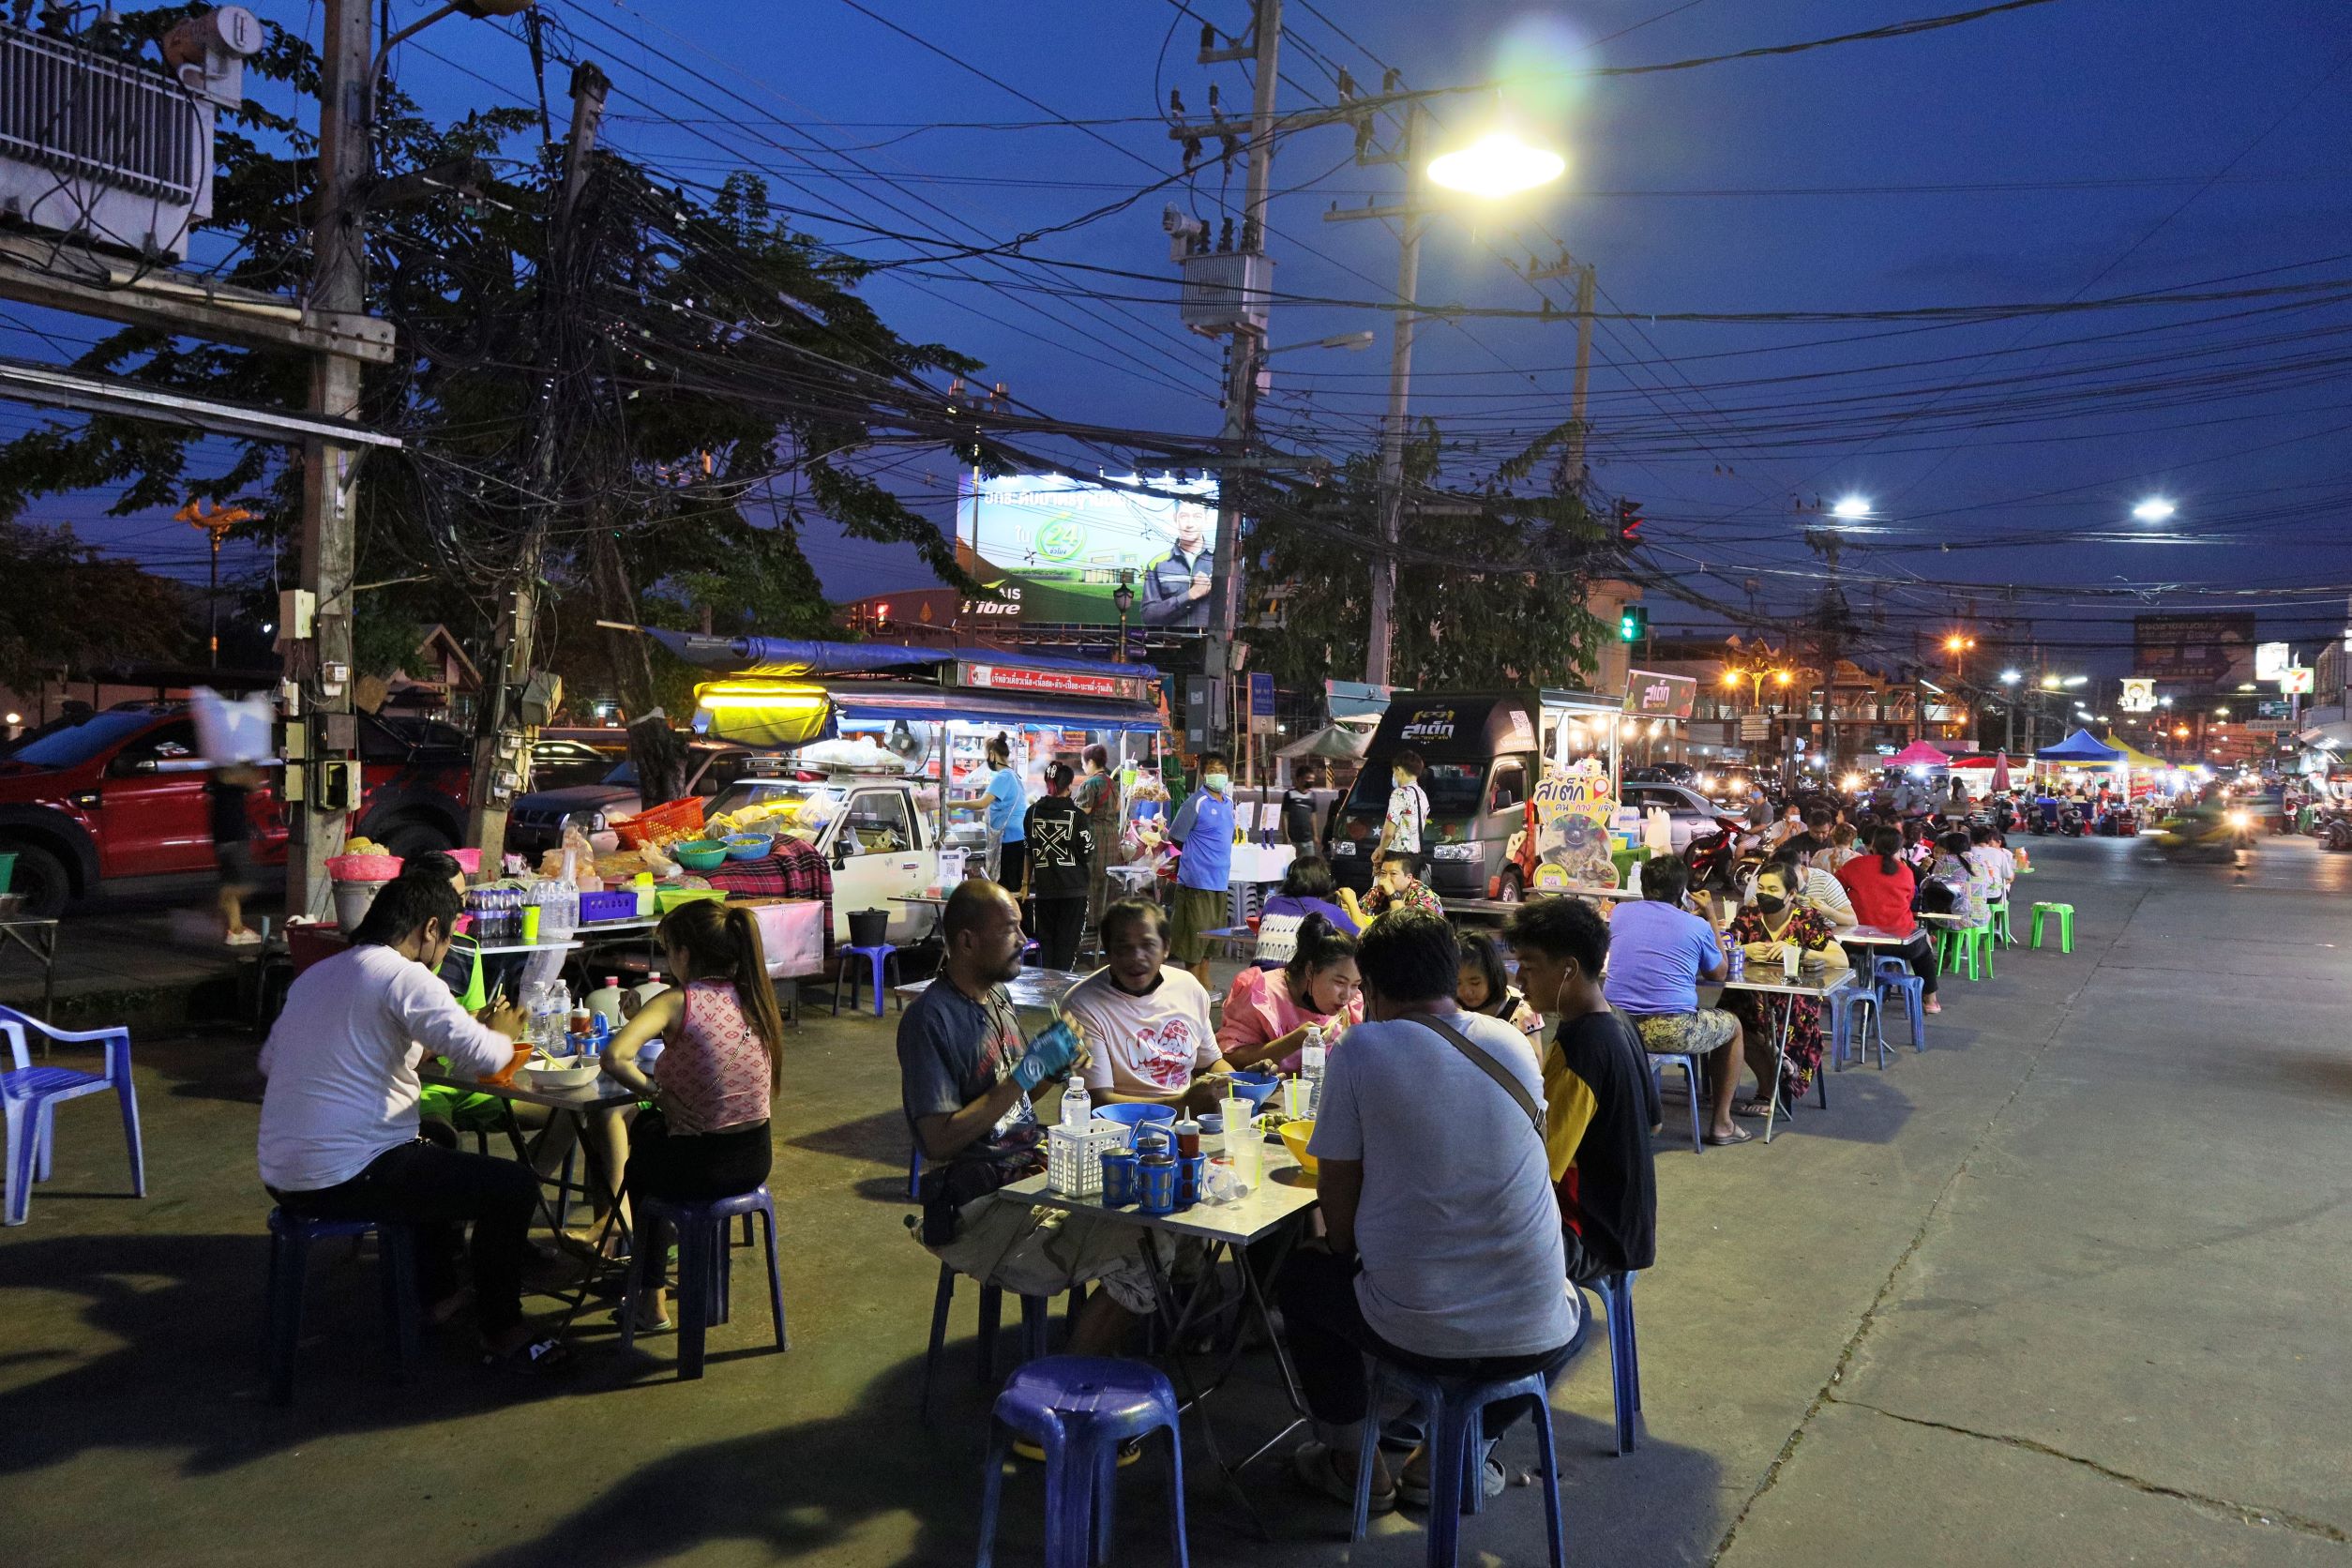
[1408, 815]
[1151, 1044]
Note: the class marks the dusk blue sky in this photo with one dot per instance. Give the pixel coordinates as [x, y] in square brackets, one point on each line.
[2108, 148]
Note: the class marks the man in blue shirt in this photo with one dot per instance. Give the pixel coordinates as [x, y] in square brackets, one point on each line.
[1203, 831]
[1658, 954]
[1008, 804]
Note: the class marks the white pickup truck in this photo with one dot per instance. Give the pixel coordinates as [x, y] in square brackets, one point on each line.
[875, 828]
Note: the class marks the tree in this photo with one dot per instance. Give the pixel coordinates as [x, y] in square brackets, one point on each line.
[69, 609]
[1490, 587]
[689, 356]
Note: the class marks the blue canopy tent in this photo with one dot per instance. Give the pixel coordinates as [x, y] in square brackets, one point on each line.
[797, 659]
[2080, 750]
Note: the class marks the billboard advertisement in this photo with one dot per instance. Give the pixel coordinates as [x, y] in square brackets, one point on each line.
[2198, 650]
[1063, 544]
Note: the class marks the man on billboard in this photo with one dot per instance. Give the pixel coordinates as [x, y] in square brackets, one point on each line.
[1176, 586]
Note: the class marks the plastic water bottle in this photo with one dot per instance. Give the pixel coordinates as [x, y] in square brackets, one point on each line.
[1311, 1057]
[1077, 1105]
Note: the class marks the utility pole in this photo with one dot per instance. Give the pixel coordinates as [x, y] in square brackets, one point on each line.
[319, 667]
[1588, 286]
[1245, 354]
[1393, 426]
[502, 750]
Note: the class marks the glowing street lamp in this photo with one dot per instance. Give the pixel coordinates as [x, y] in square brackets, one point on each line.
[1495, 165]
[2154, 509]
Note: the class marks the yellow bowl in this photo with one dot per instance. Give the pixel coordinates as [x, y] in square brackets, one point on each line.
[1294, 1136]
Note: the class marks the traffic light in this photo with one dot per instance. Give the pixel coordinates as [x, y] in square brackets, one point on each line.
[1629, 522]
[1632, 623]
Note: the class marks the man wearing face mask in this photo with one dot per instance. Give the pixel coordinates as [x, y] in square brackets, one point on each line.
[1204, 830]
[1601, 1104]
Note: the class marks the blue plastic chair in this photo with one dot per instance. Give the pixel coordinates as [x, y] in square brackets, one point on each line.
[1037, 1320]
[30, 1096]
[883, 957]
[1691, 1079]
[1080, 1410]
[914, 1173]
[1617, 1294]
[1895, 976]
[290, 1240]
[1450, 1408]
[706, 1269]
[1844, 1004]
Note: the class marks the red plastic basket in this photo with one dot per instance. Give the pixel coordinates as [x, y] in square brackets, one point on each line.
[677, 816]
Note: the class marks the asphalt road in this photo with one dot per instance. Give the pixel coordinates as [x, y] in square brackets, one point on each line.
[2066, 1287]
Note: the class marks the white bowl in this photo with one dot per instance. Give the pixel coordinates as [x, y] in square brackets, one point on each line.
[565, 1071]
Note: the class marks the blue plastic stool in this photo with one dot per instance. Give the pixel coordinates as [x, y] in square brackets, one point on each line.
[914, 1173]
[1036, 1318]
[1691, 1076]
[1080, 1410]
[30, 1096]
[1844, 1024]
[884, 958]
[705, 1268]
[289, 1239]
[1895, 975]
[1451, 1410]
[1617, 1294]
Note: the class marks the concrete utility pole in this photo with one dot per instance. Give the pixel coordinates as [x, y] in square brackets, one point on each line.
[320, 668]
[1392, 423]
[1588, 286]
[502, 748]
[1247, 352]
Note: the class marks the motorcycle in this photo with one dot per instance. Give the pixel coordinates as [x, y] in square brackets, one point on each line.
[2207, 838]
[1720, 861]
[2334, 831]
[2070, 820]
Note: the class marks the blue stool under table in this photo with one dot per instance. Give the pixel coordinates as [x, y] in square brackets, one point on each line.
[1080, 1410]
[883, 957]
[1036, 1323]
[1896, 976]
[705, 1268]
[1450, 1408]
[30, 1096]
[1691, 1078]
[289, 1239]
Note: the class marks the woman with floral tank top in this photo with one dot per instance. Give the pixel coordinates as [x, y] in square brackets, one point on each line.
[707, 1135]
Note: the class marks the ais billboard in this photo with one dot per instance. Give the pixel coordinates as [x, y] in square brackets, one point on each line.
[1062, 543]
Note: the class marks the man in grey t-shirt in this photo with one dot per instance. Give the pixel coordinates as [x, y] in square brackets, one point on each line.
[1443, 1248]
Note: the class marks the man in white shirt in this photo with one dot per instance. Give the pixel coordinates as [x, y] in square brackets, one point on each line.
[1407, 805]
[1145, 1020]
[338, 1130]
[1443, 1250]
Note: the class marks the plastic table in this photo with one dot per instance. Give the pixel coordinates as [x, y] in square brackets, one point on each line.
[1768, 980]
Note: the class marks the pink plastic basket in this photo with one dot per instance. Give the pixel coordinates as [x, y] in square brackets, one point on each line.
[363, 868]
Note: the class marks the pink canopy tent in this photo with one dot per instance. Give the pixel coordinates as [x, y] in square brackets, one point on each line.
[1918, 754]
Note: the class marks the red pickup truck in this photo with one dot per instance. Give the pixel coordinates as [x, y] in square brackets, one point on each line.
[121, 794]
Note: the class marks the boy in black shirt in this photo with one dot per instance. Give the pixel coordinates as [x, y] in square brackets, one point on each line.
[1601, 1104]
[1060, 855]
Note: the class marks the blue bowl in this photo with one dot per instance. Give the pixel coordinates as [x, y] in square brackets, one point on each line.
[1257, 1088]
[748, 846]
[1131, 1117]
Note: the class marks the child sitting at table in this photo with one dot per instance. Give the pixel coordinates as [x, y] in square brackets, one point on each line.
[1484, 985]
[707, 1135]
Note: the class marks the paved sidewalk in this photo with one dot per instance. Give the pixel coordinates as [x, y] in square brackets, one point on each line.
[2065, 1287]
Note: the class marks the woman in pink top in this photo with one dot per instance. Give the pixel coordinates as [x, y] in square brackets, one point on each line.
[1268, 1010]
[707, 1135]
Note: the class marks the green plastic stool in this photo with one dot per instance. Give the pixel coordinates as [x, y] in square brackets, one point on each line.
[2001, 932]
[2065, 914]
[1971, 943]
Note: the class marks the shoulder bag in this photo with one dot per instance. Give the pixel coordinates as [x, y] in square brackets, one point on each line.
[1492, 1068]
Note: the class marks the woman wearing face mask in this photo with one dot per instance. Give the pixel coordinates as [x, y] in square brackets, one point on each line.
[1769, 922]
[1268, 1011]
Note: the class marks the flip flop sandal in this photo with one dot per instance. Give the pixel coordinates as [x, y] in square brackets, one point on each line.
[1318, 1468]
[620, 1319]
[1129, 1451]
[533, 1359]
[1736, 1136]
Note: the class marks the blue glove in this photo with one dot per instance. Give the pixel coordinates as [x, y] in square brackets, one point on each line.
[1048, 1055]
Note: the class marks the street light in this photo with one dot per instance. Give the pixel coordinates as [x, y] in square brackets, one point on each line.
[2154, 509]
[1495, 165]
[2011, 677]
[1124, 596]
[1852, 507]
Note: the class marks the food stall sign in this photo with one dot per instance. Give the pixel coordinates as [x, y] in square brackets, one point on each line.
[1050, 682]
[1654, 696]
[1565, 842]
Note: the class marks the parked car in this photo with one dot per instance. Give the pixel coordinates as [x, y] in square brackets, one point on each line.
[120, 794]
[1688, 812]
[535, 822]
[1480, 760]
[877, 831]
[562, 757]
